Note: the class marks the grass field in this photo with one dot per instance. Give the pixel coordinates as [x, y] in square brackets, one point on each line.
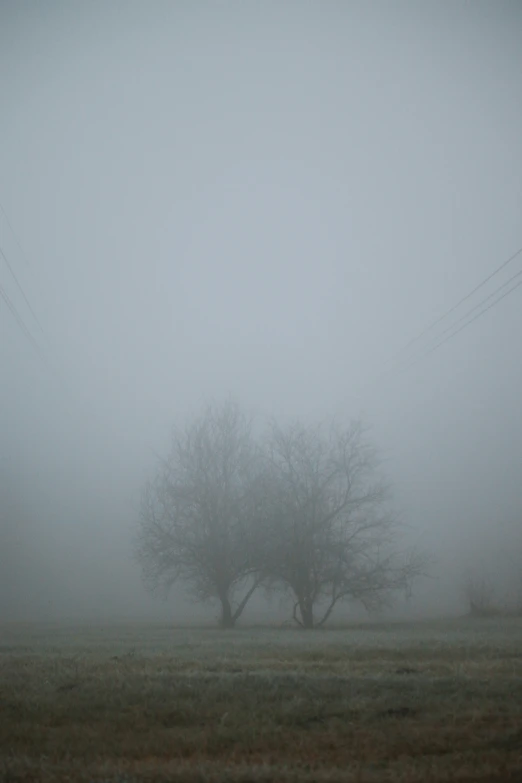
[397, 702]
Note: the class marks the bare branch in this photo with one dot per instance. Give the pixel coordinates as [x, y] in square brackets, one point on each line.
[199, 515]
[332, 533]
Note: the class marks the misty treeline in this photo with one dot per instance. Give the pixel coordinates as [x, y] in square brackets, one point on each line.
[299, 509]
[483, 597]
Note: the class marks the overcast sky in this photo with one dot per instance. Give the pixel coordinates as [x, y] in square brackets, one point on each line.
[266, 199]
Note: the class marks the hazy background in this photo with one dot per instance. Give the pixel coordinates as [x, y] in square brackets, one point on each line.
[267, 199]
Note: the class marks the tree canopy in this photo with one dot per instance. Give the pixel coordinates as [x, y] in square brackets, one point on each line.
[198, 513]
[303, 510]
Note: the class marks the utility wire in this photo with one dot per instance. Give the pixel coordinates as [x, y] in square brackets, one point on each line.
[14, 312]
[401, 367]
[27, 334]
[26, 300]
[19, 320]
[454, 333]
[13, 232]
[461, 301]
[483, 301]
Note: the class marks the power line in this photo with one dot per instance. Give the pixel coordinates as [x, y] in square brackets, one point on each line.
[461, 301]
[454, 333]
[401, 367]
[14, 312]
[13, 232]
[21, 290]
[19, 320]
[27, 334]
[483, 301]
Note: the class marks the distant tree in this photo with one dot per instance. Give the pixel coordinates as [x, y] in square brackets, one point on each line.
[518, 598]
[479, 594]
[517, 577]
[199, 513]
[332, 536]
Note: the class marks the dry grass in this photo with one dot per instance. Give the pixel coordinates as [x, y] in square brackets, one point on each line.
[430, 702]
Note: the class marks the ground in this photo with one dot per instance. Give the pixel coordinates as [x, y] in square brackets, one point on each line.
[415, 703]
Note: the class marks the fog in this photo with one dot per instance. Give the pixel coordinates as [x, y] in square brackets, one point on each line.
[265, 200]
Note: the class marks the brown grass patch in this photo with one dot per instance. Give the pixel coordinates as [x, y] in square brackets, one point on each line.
[259, 706]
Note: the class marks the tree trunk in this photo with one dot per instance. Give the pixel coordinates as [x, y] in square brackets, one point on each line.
[227, 618]
[328, 611]
[239, 611]
[307, 614]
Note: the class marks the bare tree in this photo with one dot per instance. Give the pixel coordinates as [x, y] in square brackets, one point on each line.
[198, 515]
[479, 594]
[518, 598]
[517, 578]
[332, 536]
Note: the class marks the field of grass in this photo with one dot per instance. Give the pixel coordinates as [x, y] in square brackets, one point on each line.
[397, 702]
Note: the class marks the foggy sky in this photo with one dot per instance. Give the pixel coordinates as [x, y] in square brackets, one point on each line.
[268, 200]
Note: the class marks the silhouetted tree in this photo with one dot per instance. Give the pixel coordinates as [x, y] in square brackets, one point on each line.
[479, 593]
[332, 536]
[199, 513]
